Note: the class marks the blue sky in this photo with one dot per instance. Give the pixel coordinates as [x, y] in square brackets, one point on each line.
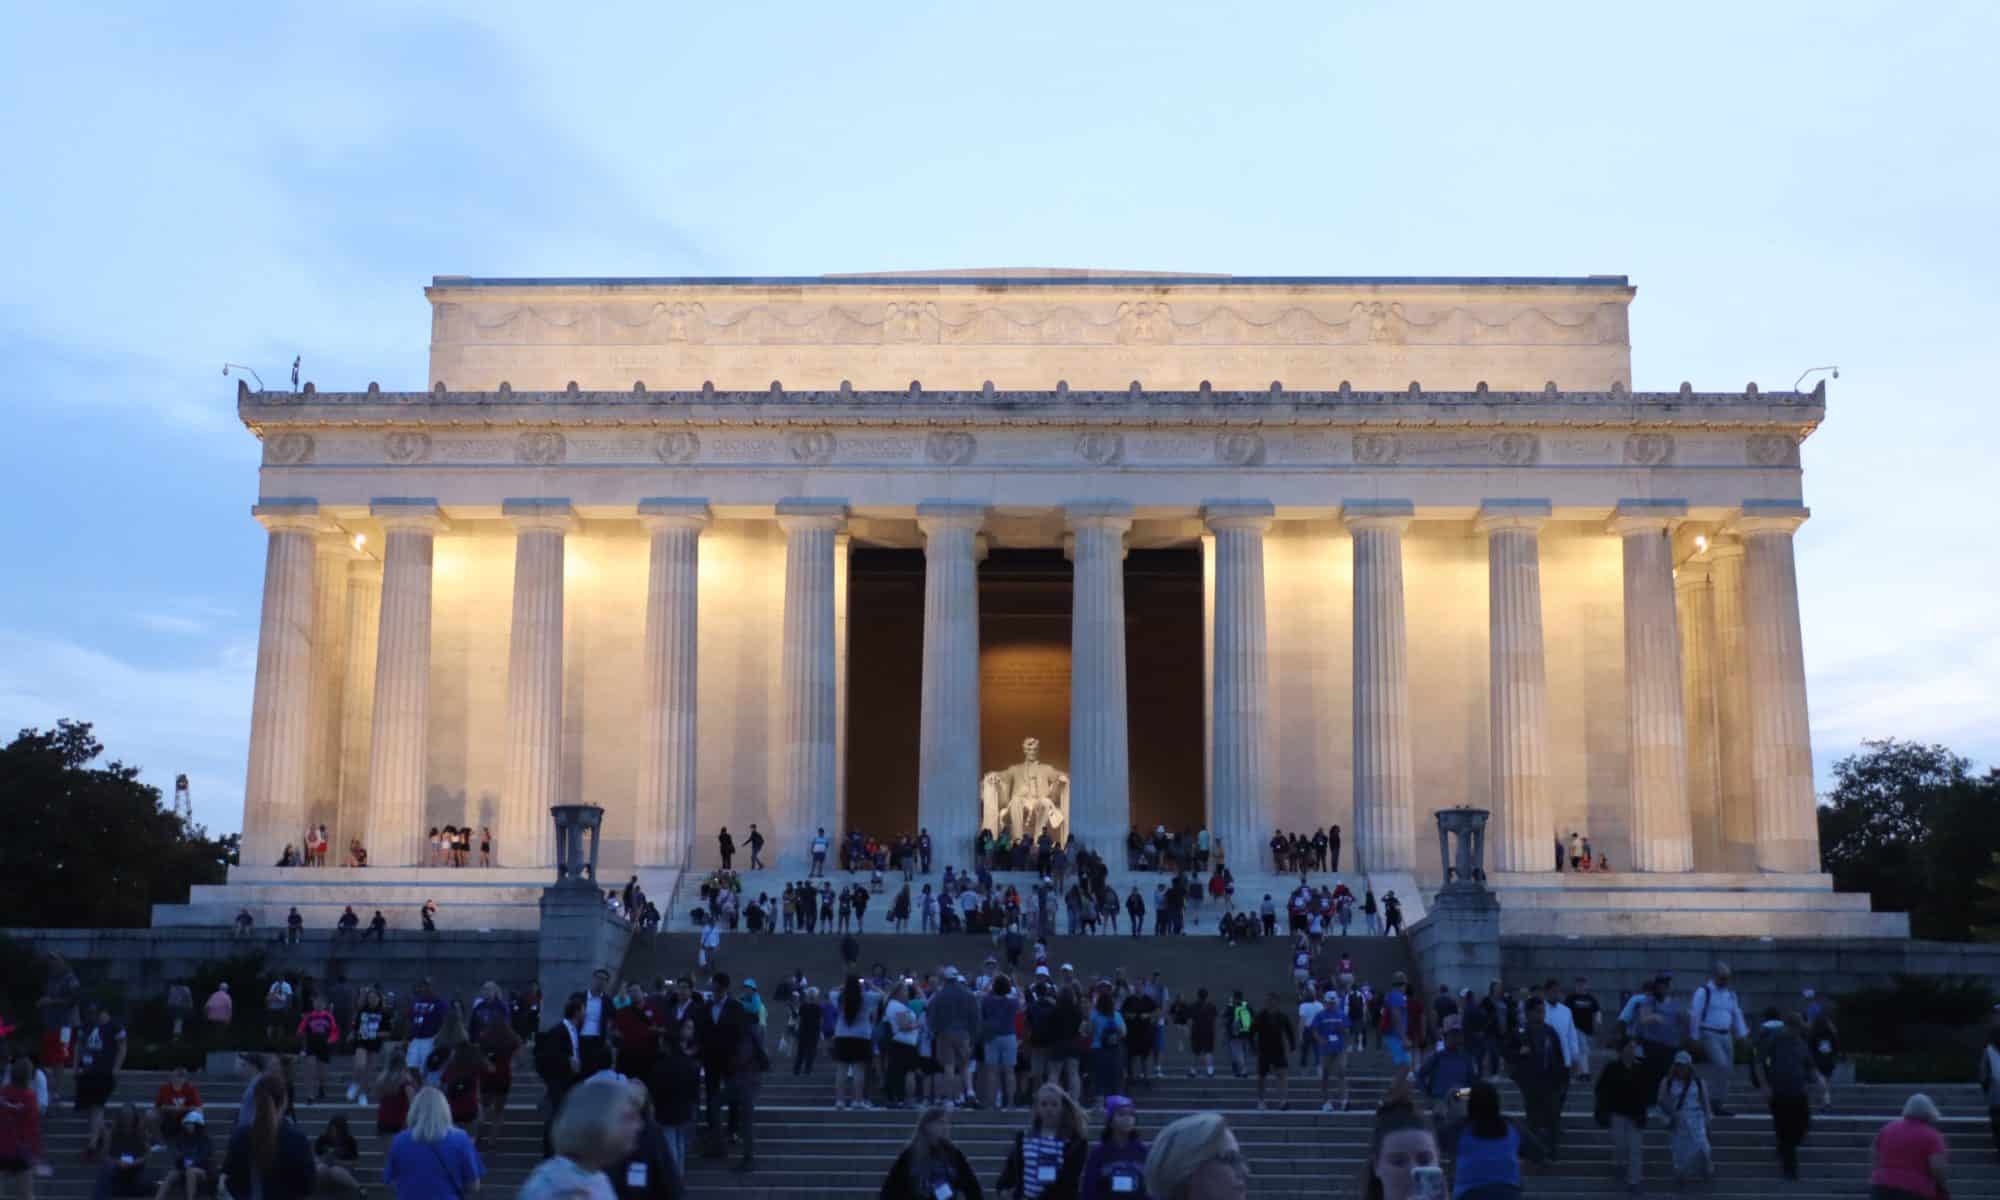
[1787, 184]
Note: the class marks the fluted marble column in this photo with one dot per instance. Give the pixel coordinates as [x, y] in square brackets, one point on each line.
[332, 552]
[399, 734]
[274, 786]
[526, 835]
[357, 701]
[1100, 770]
[1780, 740]
[808, 669]
[1731, 671]
[948, 730]
[668, 745]
[1694, 602]
[1240, 746]
[1384, 807]
[1517, 684]
[1208, 671]
[1660, 828]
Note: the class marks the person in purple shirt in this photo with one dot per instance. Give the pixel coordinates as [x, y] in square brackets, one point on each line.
[426, 1018]
[1116, 1167]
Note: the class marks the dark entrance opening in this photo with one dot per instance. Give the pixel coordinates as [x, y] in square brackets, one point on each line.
[1024, 669]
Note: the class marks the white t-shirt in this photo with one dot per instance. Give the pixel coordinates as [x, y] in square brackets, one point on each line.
[1307, 1011]
[898, 1013]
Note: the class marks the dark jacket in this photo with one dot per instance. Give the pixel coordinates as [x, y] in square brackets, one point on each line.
[648, 1172]
[1538, 1060]
[901, 1185]
[676, 1087]
[1623, 1091]
[1069, 1181]
[292, 1171]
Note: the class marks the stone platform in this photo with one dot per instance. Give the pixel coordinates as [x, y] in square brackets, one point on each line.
[1693, 904]
[467, 897]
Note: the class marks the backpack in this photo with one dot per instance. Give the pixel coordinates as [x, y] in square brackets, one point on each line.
[1787, 1065]
[1239, 1020]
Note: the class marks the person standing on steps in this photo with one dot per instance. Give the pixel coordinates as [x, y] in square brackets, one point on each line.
[1333, 849]
[819, 845]
[1988, 1075]
[1201, 1035]
[924, 849]
[1585, 1010]
[1271, 1031]
[1623, 1096]
[1686, 1104]
[1717, 1017]
[1392, 915]
[756, 848]
[1781, 1065]
[931, 1167]
[1116, 1167]
[726, 845]
[1329, 1032]
[1369, 913]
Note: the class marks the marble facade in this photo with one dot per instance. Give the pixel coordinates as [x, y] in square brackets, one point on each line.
[1451, 557]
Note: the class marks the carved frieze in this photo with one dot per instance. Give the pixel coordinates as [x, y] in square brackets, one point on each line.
[1376, 449]
[407, 446]
[1772, 450]
[1239, 448]
[1649, 449]
[288, 449]
[1515, 449]
[540, 447]
[677, 447]
[810, 447]
[950, 448]
[1100, 447]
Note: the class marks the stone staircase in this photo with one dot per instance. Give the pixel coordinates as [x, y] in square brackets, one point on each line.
[808, 1151]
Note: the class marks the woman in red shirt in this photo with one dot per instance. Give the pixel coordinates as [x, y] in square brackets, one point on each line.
[176, 1099]
[1910, 1155]
[460, 1083]
[498, 1044]
[20, 1128]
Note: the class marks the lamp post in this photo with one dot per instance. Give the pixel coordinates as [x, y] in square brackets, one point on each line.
[1466, 869]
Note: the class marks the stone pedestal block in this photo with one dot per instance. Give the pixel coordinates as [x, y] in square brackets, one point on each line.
[1457, 943]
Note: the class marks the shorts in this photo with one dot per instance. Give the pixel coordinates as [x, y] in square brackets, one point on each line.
[1269, 1064]
[1202, 1043]
[1003, 1052]
[369, 1045]
[1399, 1051]
[55, 1050]
[851, 1050]
[319, 1048]
[1333, 1064]
[953, 1050]
[419, 1052]
[93, 1089]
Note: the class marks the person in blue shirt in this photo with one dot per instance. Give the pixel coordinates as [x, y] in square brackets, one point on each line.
[1329, 1032]
[426, 1018]
[1448, 1072]
[1487, 1149]
[1107, 1045]
[430, 1160]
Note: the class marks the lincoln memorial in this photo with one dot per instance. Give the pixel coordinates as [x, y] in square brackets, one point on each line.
[1244, 553]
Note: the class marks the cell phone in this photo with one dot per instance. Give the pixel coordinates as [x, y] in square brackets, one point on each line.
[1429, 1183]
[1464, 1093]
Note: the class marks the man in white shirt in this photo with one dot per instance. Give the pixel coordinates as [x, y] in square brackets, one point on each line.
[1717, 1017]
[1564, 1023]
[1309, 1008]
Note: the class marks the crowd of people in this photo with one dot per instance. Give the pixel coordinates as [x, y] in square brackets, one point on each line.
[446, 846]
[639, 1078]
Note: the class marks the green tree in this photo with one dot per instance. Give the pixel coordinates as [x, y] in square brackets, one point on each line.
[1988, 905]
[1914, 826]
[88, 845]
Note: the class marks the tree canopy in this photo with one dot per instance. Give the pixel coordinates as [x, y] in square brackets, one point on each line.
[1915, 826]
[87, 845]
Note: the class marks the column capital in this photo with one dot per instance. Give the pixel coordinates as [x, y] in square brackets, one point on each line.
[413, 514]
[1115, 515]
[938, 515]
[1238, 514]
[1719, 550]
[1647, 516]
[673, 512]
[1526, 515]
[812, 513]
[287, 514]
[333, 543]
[1394, 515]
[552, 514]
[1769, 516]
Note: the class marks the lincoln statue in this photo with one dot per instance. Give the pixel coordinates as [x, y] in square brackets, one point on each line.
[1026, 798]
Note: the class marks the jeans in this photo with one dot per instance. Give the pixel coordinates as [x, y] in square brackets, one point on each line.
[1628, 1148]
[1791, 1117]
[677, 1145]
[1718, 1052]
[901, 1059]
[1544, 1112]
[808, 1054]
[1106, 1070]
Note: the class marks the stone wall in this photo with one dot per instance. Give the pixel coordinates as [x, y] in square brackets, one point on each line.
[142, 963]
[1769, 971]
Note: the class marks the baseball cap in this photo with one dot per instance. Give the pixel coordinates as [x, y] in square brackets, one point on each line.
[1042, 971]
[193, 1117]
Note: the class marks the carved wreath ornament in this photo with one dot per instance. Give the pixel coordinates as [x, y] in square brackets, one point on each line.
[288, 449]
[1514, 449]
[1376, 449]
[949, 449]
[677, 447]
[1773, 450]
[407, 447]
[1100, 448]
[810, 447]
[540, 448]
[1649, 449]
[1239, 449]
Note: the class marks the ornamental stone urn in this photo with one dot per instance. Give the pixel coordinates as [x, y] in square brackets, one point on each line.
[573, 821]
[1467, 868]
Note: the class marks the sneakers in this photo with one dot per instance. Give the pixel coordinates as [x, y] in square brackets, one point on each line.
[1326, 1106]
[353, 1090]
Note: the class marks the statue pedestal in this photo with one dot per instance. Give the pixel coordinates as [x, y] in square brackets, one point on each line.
[1457, 943]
